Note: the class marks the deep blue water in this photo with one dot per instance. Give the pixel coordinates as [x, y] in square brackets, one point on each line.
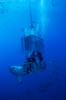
[49, 84]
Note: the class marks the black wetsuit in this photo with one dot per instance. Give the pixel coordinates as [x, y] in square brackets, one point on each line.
[29, 61]
[39, 55]
[33, 57]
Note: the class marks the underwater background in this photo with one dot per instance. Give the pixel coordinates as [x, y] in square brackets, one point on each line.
[49, 84]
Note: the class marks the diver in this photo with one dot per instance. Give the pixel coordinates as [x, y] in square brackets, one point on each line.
[31, 60]
[39, 55]
[29, 65]
[33, 57]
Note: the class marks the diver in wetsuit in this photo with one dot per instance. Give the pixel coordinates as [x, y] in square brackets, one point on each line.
[29, 65]
[30, 61]
[33, 58]
[39, 55]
